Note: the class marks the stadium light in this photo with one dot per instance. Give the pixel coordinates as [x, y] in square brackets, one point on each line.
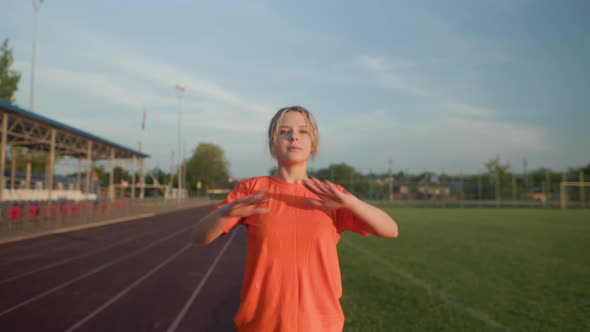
[36, 6]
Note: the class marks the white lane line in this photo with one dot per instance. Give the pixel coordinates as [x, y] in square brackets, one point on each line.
[100, 237]
[67, 260]
[188, 303]
[94, 271]
[40, 253]
[11, 253]
[126, 290]
[479, 315]
[73, 228]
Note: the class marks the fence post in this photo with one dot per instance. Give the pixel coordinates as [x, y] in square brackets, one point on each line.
[426, 188]
[564, 195]
[462, 192]
[407, 178]
[479, 189]
[583, 204]
[547, 187]
[497, 188]
[513, 190]
[441, 190]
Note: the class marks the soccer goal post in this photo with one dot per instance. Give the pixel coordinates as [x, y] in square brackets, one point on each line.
[564, 196]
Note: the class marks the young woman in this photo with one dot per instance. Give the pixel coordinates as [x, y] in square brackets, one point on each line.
[292, 278]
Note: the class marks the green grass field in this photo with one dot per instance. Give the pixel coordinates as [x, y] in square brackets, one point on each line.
[470, 270]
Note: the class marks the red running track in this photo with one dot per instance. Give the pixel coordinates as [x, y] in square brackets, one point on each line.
[141, 275]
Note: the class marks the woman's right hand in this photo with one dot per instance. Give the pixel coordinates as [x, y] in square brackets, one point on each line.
[247, 205]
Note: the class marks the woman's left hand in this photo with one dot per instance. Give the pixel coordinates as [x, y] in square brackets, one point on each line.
[329, 194]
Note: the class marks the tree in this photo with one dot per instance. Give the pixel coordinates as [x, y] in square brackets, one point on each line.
[495, 165]
[345, 175]
[120, 175]
[8, 78]
[8, 85]
[103, 175]
[500, 177]
[159, 174]
[207, 166]
[38, 159]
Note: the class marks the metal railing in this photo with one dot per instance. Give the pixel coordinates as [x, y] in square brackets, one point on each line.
[25, 218]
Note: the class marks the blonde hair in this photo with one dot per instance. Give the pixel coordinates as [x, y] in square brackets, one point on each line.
[274, 130]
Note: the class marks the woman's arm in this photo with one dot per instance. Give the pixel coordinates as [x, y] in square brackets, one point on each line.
[381, 223]
[210, 227]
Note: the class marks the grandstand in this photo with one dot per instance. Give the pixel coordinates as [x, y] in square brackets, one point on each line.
[30, 188]
[22, 128]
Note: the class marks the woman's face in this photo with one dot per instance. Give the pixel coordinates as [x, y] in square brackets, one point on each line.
[294, 141]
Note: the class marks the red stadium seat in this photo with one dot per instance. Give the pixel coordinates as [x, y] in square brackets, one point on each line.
[15, 212]
[34, 211]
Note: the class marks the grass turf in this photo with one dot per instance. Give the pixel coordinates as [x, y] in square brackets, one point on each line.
[470, 270]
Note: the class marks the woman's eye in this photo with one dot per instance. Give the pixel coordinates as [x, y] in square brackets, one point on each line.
[303, 131]
[282, 132]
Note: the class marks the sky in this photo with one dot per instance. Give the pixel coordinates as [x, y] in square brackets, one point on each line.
[434, 85]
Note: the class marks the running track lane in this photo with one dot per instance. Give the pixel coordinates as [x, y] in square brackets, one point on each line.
[134, 276]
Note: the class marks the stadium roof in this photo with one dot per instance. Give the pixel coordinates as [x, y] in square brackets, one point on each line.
[32, 130]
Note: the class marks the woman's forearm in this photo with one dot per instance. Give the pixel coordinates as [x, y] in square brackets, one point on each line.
[210, 227]
[381, 223]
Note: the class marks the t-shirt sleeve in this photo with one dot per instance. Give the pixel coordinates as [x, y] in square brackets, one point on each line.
[239, 191]
[348, 221]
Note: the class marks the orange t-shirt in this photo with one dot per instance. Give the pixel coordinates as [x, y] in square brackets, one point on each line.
[292, 278]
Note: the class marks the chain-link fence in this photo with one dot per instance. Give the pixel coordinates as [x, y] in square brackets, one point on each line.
[489, 190]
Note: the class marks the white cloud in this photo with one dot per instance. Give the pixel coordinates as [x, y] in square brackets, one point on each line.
[93, 85]
[396, 75]
[469, 111]
[129, 63]
[380, 64]
[449, 131]
[169, 76]
[482, 138]
[121, 63]
[360, 126]
[452, 144]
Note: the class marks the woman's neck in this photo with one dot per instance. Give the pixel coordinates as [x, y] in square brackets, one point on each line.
[292, 173]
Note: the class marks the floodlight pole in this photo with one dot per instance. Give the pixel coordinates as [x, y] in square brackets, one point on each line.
[36, 6]
[179, 93]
